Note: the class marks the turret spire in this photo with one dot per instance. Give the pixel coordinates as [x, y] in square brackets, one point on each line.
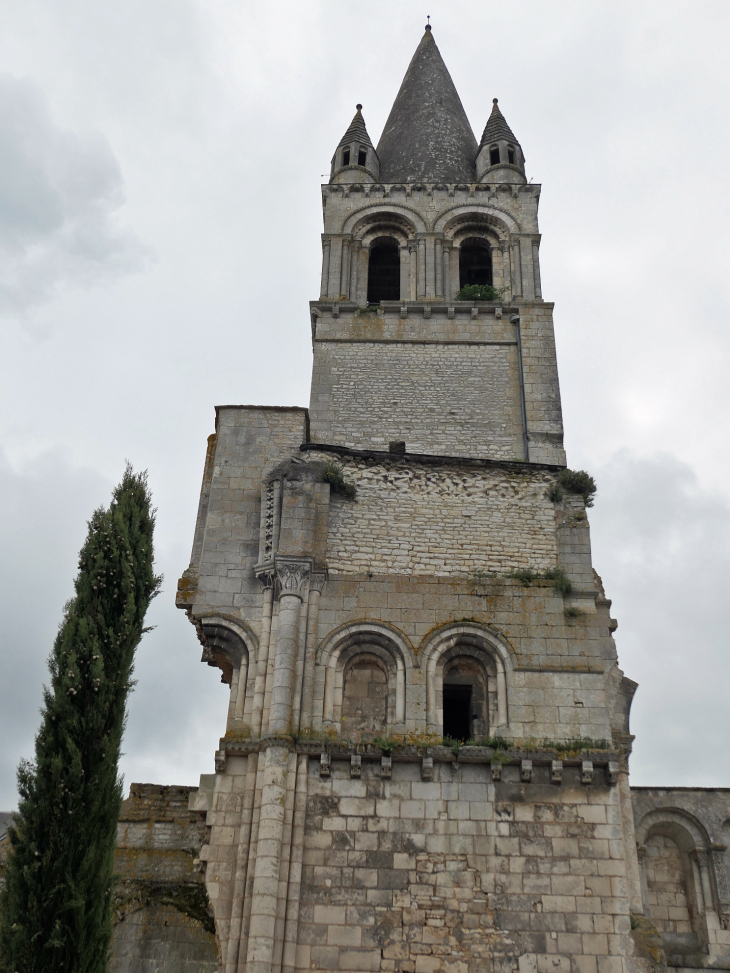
[500, 157]
[427, 137]
[355, 158]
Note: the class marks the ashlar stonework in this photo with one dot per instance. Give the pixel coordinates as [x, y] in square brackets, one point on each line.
[425, 762]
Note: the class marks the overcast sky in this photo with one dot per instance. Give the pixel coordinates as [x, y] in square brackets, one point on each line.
[160, 213]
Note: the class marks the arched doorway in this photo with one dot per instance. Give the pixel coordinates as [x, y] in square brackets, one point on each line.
[384, 271]
[475, 262]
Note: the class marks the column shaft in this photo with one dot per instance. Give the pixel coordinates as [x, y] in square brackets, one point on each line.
[517, 269]
[439, 268]
[324, 286]
[414, 271]
[536, 271]
[287, 640]
[345, 270]
[421, 268]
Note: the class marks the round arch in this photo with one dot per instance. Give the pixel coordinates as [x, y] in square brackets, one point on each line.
[477, 643]
[231, 646]
[388, 214]
[379, 642]
[449, 222]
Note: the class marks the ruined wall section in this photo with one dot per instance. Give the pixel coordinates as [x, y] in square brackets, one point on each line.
[162, 917]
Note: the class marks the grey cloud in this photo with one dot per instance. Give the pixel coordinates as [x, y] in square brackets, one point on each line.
[662, 545]
[178, 706]
[59, 193]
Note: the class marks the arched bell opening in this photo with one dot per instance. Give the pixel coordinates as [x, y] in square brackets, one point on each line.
[383, 271]
[475, 262]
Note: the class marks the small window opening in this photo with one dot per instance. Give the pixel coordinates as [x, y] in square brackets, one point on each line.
[494, 156]
[362, 157]
[345, 157]
[457, 712]
[475, 263]
[384, 272]
[511, 156]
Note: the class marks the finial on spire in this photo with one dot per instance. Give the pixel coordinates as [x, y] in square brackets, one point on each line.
[359, 107]
[428, 18]
[495, 100]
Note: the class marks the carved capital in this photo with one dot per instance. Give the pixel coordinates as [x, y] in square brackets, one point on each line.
[266, 573]
[316, 581]
[701, 857]
[292, 575]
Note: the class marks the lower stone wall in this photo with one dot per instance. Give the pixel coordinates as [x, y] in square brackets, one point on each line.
[162, 918]
[461, 873]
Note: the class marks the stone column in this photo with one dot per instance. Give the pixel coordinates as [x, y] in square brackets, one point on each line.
[536, 269]
[446, 270]
[412, 248]
[421, 268]
[316, 584]
[439, 267]
[354, 262]
[242, 673]
[324, 286]
[517, 286]
[262, 660]
[631, 858]
[345, 270]
[405, 267]
[292, 575]
[703, 863]
[265, 892]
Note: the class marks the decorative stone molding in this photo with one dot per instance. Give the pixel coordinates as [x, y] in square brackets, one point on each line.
[586, 771]
[612, 772]
[220, 761]
[386, 767]
[355, 765]
[556, 771]
[292, 575]
[526, 771]
[404, 311]
[317, 581]
[450, 312]
[427, 311]
[496, 768]
[324, 765]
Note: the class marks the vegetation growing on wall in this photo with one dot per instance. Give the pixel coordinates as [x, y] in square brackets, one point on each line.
[577, 482]
[333, 474]
[480, 292]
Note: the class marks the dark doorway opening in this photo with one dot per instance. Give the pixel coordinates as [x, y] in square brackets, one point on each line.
[475, 263]
[384, 273]
[457, 712]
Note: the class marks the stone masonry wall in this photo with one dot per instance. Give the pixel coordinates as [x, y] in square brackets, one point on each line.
[162, 919]
[430, 396]
[410, 519]
[461, 874]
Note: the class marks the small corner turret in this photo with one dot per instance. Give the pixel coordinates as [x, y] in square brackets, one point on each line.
[500, 157]
[355, 159]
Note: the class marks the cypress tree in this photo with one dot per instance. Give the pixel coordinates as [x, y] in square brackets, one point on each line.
[56, 909]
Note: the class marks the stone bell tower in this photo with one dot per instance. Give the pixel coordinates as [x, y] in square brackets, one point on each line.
[396, 565]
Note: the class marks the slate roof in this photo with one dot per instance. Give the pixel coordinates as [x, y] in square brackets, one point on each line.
[356, 132]
[427, 137]
[497, 128]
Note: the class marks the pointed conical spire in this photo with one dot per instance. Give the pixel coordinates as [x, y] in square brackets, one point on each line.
[496, 127]
[427, 137]
[355, 158]
[357, 132]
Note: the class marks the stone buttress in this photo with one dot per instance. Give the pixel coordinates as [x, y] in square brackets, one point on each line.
[396, 565]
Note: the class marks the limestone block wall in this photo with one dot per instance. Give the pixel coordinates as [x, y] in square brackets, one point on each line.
[444, 380]
[461, 873]
[682, 836]
[249, 441]
[162, 917]
[415, 519]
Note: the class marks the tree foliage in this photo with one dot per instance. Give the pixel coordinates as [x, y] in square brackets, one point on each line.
[480, 292]
[55, 911]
